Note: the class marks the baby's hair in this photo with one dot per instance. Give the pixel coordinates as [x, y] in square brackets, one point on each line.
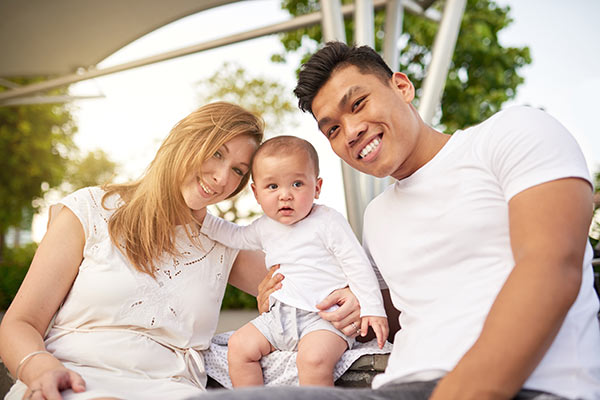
[287, 145]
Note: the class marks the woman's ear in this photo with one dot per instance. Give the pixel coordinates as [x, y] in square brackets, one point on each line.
[401, 82]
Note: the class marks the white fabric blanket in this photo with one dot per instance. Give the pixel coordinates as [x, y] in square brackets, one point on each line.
[279, 367]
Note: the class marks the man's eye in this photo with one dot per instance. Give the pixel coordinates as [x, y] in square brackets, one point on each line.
[272, 186]
[297, 184]
[357, 103]
[331, 131]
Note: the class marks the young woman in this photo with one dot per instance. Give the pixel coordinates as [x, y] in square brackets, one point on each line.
[133, 287]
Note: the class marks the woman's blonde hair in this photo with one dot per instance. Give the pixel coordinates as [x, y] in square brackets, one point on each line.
[143, 227]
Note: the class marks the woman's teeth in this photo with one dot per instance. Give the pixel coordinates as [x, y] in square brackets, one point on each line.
[370, 147]
[206, 190]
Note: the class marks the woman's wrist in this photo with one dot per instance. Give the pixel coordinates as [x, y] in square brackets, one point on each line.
[26, 359]
[36, 365]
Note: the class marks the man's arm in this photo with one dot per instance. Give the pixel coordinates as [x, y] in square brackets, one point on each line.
[549, 225]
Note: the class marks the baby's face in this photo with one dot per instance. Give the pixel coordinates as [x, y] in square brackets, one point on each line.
[285, 186]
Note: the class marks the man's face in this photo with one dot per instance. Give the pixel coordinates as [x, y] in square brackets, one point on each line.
[370, 124]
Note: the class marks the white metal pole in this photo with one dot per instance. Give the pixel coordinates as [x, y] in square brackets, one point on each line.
[394, 15]
[443, 48]
[332, 21]
[364, 23]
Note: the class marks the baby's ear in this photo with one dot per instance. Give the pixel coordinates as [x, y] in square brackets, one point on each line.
[253, 186]
[318, 187]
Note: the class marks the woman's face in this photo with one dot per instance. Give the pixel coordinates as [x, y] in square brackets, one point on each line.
[219, 175]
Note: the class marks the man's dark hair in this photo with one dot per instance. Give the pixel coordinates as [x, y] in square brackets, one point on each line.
[335, 55]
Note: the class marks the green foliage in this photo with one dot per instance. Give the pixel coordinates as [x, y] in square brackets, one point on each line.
[595, 228]
[236, 299]
[265, 97]
[12, 271]
[35, 142]
[96, 168]
[483, 74]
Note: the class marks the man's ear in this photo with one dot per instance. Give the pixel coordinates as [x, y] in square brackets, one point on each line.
[318, 187]
[401, 82]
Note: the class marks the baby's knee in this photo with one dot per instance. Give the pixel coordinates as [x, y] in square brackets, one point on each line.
[312, 359]
[236, 343]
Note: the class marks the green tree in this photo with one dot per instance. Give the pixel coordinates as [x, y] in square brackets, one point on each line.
[273, 102]
[35, 143]
[482, 76]
[595, 228]
[95, 168]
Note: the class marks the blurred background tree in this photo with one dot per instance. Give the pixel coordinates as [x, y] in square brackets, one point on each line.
[35, 141]
[271, 100]
[482, 76]
[37, 156]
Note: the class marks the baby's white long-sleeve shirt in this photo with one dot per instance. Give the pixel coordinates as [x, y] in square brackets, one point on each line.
[317, 255]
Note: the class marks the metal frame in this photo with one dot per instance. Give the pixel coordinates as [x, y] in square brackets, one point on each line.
[359, 188]
[290, 25]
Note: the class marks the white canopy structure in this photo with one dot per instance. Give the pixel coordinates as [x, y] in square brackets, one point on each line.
[64, 40]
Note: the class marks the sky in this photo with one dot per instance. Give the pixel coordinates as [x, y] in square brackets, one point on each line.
[140, 106]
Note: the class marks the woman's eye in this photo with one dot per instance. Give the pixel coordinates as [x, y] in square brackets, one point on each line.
[238, 171]
[272, 186]
[217, 154]
[297, 184]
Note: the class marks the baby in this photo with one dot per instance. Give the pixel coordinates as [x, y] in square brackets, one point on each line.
[317, 252]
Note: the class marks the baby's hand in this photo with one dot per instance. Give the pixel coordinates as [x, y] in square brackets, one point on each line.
[379, 325]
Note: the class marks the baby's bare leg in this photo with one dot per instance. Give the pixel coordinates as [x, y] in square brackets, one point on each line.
[245, 349]
[318, 352]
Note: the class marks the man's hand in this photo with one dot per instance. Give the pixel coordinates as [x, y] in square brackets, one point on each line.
[266, 287]
[347, 317]
[380, 327]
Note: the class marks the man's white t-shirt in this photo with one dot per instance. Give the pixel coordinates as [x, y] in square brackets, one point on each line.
[440, 239]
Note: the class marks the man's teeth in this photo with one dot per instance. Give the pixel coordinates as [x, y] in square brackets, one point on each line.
[370, 147]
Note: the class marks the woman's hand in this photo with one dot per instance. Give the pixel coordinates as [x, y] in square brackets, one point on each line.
[49, 385]
[267, 286]
[347, 317]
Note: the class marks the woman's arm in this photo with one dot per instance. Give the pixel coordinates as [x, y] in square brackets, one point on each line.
[49, 279]
[248, 271]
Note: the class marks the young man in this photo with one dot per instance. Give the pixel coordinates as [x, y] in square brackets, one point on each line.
[482, 240]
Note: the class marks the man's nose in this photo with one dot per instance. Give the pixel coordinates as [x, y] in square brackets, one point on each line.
[353, 129]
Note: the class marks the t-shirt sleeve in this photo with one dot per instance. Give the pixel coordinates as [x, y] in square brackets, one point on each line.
[232, 235]
[527, 147]
[355, 264]
[86, 204]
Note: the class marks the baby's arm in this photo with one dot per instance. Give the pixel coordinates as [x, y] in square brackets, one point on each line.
[361, 277]
[230, 234]
[379, 325]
